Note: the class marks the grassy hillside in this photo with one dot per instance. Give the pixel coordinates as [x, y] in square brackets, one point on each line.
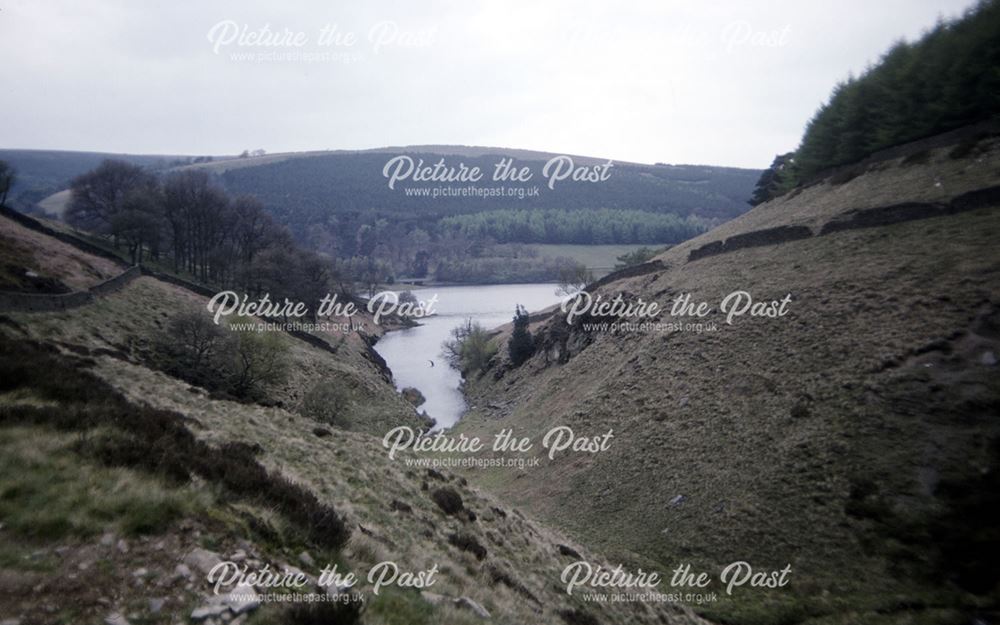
[121, 485]
[854, 438]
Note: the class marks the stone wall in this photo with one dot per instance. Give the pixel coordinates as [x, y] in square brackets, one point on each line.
[181, 282]
[628, 272]
[988, 197]
[756, 238]
[48, 302]
[33, 224]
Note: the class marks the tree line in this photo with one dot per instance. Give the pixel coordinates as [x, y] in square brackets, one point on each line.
[947, 79]
[186, 222]
[596, 226]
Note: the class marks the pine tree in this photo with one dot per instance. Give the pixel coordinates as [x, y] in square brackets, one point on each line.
[521, 345]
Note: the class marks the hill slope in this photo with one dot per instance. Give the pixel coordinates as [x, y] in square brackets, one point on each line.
[324, 197]
[41, 173]
[312, 190]
[854, 438]
[121, 485]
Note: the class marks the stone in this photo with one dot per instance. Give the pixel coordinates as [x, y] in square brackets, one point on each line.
[988, 359]
[307, 559]
[202, 559]
[242, 599]
[208, 611]
[181, 571]
[156, 604]
[115, 618]
[413, 395]
[107, 539]
[475, 608]
[463, 603]
[434, 598]
[140, 572]
[122, 546]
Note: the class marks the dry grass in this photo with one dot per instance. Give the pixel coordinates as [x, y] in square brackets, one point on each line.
[764, 427]
[348, 470]
[52, 258]
[127, 322]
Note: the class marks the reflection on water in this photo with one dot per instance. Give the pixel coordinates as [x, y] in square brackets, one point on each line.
[414, 354]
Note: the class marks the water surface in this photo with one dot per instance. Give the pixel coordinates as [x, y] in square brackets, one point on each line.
[409, 353]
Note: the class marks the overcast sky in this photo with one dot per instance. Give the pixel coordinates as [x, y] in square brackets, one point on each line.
[714, 82]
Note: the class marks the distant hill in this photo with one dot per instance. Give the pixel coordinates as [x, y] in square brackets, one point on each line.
[325, 197]
[346, 182]
[340, 191]
[41, 173]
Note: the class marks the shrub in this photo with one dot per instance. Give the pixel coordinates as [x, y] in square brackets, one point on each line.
[326, 403]
[157, 441]
[470, 349]
[323, 613]
[245, 364]
[195, 349]
[468, 542]
[521, 345]
[259, 362]
[448, 500]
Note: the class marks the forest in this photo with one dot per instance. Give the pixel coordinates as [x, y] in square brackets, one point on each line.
[186, 223]
[325, 199]
[947, 79]
[597, 226]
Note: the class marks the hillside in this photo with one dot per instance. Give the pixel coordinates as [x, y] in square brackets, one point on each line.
[854, 438]
[121, 486]
[42, 173]
[327, 196]
[347, 189]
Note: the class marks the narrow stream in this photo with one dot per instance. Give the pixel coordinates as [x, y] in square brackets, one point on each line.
[415, 354]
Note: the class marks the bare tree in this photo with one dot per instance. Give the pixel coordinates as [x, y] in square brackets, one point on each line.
[98, 196]
[139, 221]
[201, 219]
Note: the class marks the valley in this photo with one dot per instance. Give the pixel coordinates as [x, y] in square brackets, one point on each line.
[392, 371]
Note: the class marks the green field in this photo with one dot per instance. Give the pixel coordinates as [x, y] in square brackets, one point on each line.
[600, 259]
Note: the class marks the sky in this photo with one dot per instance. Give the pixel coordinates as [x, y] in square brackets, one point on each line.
[708, 82]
